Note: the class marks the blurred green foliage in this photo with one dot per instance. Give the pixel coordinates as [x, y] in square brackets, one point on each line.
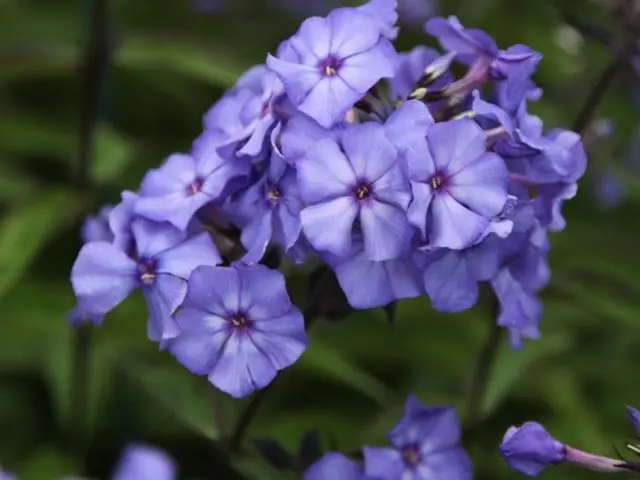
[169, 64]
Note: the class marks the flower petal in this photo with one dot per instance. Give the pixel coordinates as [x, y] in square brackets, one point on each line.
[163, 298]
[241, 368]
[263, 293]
[382, 462]
[455, 144]
[369, 152]
[328, 226]
[325, 173]
[152, 237]
[281, 340]
[352, 32]
[256, 237]
[174, 175]
[102, 277]
[375, 292]
[363, 70]
[297, 79]
[189, 255]
[215, 290]
[481, 185]
[386, 230]
[453, 225]
[329, 100]
[198, 351]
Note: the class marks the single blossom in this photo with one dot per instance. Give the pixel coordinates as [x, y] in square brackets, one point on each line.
[184, 183]
[458, 187]
[334, 466]
[424, 446]
[103, 275]
[142, 462]
[357, 184]
[238, 327]
[530, 448]
[269, 211]
[331, 62]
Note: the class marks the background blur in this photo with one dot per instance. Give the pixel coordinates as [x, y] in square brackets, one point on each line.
[171, 59]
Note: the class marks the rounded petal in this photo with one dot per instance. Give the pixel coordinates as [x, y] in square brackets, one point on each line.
[369, 151]
[141, 462]
[301, 133]
[215, 290]
[393, 188]
[453, 225]
[177, 208]
[198, 352]
[241, 368]
[352, 32]
[329, 100]
[455, 144]
[256, 236]
[184, 258]
[177, 172]
[375, 292]
[298, 79]
[417, 212]
[281, 340]
[481, 185]
[152, 238]
[452, 464]
[263, 294]
[328, 226]
[386, 230]
[449, 282]
[383, 463]
[363, 70]
[333, 466]
[313, 39]
[325, 173]
[102, 277]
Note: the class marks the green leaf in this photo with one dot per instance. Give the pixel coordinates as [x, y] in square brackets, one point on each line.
[511, 366]
[213, 67]
[330, 363]
[37, 61]
[47, 462]
[27, 228]
[15, 185]
[189, 398]
[111, 155]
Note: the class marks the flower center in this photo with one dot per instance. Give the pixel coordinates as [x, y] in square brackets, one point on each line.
[239, 321]
[273, 194]
[194, 187]
[436, 181]
[329, 66]
[411, 455]
[362, 191]
[147, 270]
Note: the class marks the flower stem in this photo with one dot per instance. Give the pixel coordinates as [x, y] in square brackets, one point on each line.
[310, 314]
[94, 65]
[595, 96]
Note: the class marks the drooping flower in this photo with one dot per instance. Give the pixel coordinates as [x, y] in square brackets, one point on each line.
[103, 275]
[238, 327]
[424, 446]
[142, 462]
[511, 69]
[458, 187]
[386, 282]
[184, 183]
[334, 466]
[243, 118]
[269, 211]
[331, 62]
[530, 448]
[359, 184]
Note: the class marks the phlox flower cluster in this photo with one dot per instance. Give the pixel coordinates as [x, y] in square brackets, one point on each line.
[405, 179]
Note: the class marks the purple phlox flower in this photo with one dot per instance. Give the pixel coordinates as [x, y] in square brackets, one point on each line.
[414, 64]
[184, 183]
[243, 119]
[511, 69]
[238, 327]
[458, 187]
[634, 418]
[103, 275]
[331, 63]
[334, 466]
[269, 211]
[387, 280]
[407, 129]
[120, 220]
[451, 276]
[357, 185]
[96, 227]
[385, 13]
[529, 448]
[142, 462]
[301, 133]
[424, 446]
